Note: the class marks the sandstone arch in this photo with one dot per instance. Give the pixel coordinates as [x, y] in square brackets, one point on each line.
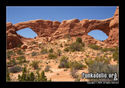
[101, 35]
[43, 28]
[26, 33]
[54, 29]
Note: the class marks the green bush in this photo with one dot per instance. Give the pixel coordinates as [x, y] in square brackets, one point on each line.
[34, 53]
[64, 62]
[30, 77]
[75, 47]
[20, 52]
[76, 65]
[47, 68]
[95, 47]
[34, 64]
[89, 61]
[79, 40]
[51, 50]
[44, 51]
[52, 56]
[59, 52]
[67, 49]
[15, 69]
[21, 59]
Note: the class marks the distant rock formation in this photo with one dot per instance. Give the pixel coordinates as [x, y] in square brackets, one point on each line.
[54, 30]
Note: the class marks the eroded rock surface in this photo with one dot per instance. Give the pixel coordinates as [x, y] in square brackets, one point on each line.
[52, 30]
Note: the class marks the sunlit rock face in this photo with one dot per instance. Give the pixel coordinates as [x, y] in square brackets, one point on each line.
[52, 30]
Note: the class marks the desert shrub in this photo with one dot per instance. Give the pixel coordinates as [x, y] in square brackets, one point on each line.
[116, 55]
[43, 78]
[44, 51]
[51, 50]
[103, 59]
[21, 59]
[47, 68]
[108, 49]
[30, 77]
[76, 65]
[75, 47]
[95, 47]
[79, 40]
[61, 45]
[7, 75]
[58, 52]
[52, 56]
[15, 69]
[89, 61]
[33, 42]
[34, 53]
[102, 68]
[64, 62]
[10, 53]
[12, 62]
[73, 72]
[20, 52]
[67, 49]
[34, 64]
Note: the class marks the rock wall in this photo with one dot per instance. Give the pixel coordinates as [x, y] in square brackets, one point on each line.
[54, 29]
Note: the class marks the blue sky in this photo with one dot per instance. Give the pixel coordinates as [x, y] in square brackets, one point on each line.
[16, 14]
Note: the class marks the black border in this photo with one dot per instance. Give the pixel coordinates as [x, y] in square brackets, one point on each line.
[3, 5]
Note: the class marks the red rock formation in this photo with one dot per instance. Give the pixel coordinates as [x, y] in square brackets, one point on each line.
[54, 29]
[43, 28]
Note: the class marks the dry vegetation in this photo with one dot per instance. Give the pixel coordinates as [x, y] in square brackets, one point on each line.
[60, 60]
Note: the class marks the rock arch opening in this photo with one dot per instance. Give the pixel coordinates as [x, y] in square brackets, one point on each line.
[98, 35]
[27, 33]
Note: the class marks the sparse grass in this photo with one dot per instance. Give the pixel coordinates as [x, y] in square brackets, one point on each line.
[52, 56]
[75, 64]
[20, 52]
[64, 62]
[21, 59]
[11, 62]
[35, 64]
[95, 47]
[75, 47]
[10, 53]
[33, 42]
[108, 49]
[116, 55]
